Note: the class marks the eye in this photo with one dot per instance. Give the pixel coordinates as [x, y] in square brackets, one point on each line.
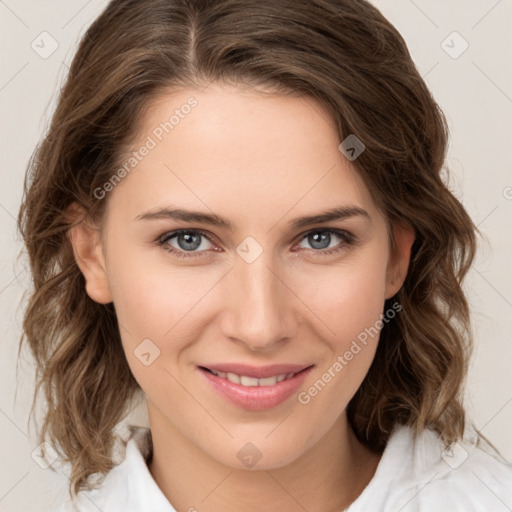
[186, 243]
[321, 239]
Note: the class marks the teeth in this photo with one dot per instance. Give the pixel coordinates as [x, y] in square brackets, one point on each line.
[270, 381]
[249, 381]
[232, 377]
[253, 381]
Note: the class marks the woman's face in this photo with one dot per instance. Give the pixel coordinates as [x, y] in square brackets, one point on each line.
[249, 282]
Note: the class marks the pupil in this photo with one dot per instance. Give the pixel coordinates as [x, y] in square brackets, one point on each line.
[320, 240]
[191, 241]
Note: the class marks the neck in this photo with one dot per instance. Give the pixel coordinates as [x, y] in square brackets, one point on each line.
[327, 477]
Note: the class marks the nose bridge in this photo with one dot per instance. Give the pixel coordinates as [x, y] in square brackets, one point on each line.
[260, 307]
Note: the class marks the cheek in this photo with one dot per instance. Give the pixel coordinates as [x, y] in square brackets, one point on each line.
[145, 301]
[159, 303]
[348, 297]
[151, 299]
[148, 306]
[349, 300]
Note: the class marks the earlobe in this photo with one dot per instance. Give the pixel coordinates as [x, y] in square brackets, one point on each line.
[88, 251]
[398, 265]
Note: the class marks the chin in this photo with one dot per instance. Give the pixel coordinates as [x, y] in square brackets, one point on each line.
[262, 453]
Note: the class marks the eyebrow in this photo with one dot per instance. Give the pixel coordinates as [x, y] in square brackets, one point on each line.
[339, 213]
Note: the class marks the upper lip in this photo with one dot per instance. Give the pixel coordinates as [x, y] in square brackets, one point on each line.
[259, 372]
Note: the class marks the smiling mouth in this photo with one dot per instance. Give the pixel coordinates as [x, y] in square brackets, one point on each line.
[247, 381]
[255, 388]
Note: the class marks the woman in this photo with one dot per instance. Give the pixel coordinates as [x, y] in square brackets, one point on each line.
[238, 214]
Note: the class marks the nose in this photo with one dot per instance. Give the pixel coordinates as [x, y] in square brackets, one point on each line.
[260, 305]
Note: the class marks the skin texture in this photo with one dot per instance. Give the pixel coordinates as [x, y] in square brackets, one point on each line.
[259, 161]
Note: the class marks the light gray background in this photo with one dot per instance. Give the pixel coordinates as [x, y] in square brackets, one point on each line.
[475, 91]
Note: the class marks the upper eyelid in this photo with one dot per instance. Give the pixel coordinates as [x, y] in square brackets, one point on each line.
[170, 234]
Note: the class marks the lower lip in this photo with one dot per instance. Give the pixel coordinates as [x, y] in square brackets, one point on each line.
[257, 398]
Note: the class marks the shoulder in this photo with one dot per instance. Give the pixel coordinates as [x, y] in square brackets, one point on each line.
[421, 473]
[128, 487]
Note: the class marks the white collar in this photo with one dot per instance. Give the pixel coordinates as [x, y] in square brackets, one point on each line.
[406, 466]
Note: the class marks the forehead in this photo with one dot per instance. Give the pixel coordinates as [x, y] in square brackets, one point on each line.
[240, 152]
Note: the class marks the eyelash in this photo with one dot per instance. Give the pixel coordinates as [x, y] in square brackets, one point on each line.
[347, 240]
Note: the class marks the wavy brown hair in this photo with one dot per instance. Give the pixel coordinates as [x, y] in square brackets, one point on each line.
[341, 53]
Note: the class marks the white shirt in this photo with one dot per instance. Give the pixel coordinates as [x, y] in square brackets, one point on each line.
[412, 476]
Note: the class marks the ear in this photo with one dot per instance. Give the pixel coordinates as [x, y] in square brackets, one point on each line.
[88, 251]
[398, 264]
